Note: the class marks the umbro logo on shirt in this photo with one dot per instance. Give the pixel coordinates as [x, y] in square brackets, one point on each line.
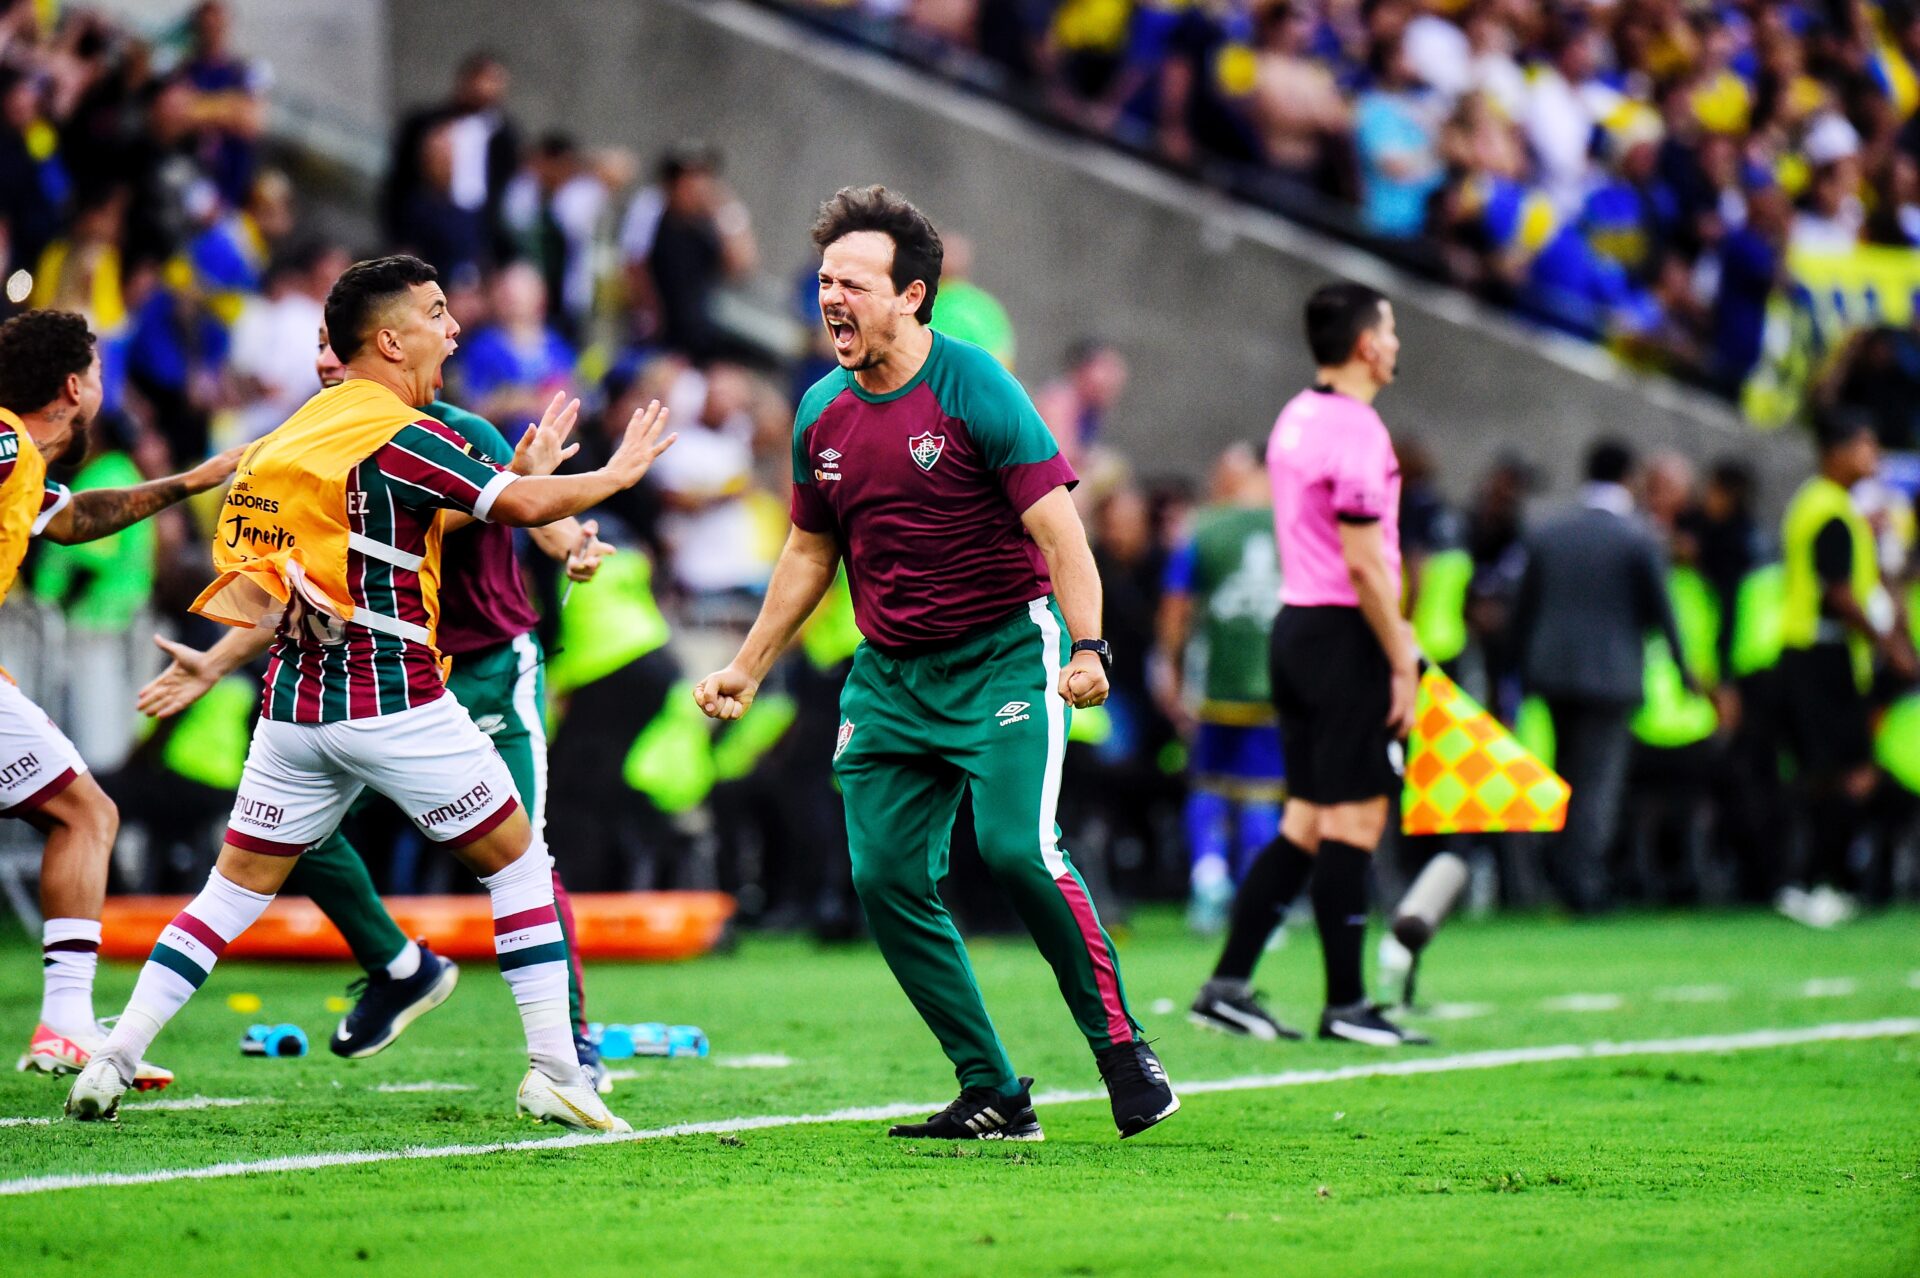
[830, 455]
[1013, 712]
[829, 469]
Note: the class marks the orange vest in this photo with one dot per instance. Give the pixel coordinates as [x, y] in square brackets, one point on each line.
[20, 499]
[283, 532]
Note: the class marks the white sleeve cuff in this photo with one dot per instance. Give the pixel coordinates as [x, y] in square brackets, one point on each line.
[491, 493]
[45, 517]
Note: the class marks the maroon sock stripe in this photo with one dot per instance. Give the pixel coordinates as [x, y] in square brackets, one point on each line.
[486, 826]
[524, 918]
[200, 932]
[266, 847]
[83, 947]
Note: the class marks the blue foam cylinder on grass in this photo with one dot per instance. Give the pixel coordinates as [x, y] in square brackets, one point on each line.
[686, 1040]
[616, 1043]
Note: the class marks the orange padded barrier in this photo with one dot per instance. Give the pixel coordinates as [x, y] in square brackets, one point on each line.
[612, 925]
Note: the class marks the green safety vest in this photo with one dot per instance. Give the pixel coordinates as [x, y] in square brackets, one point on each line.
[1819, 502]
[101, 584]
[1533, 728]
[209, 742]
[1669, 716]
[831, 634]
[1757, 609]
[607, 623]
[1440, 609]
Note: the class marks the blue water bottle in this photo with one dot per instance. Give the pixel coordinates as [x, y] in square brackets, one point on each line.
[274, 1040]
[686, 1040]
[616, 1042]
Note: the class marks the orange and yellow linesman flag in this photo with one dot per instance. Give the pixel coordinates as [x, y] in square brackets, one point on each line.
[1467, 775]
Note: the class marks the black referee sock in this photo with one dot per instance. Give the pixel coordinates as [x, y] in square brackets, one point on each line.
[1272, 881]
[1340, 911]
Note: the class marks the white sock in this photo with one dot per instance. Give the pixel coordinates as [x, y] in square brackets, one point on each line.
[405, 963]
[181, 959]
[70, 954]
[533, 958]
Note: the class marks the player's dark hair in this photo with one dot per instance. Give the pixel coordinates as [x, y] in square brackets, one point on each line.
[366, 289]
[38, 352]
[1336, 316]
[917, 251]
[1609, 462]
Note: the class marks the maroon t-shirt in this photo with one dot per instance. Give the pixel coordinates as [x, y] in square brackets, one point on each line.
[924, 488]
[483, 597]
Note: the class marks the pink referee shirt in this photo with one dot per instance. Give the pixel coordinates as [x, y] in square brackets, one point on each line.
[1329, 459]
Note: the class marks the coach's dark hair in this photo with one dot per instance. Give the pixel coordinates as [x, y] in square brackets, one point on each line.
[1609, 462]
[365, 290]
[917, 251]
[1336, 316]
[38, 352]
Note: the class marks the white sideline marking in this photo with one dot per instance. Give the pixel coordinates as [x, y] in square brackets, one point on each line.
[423, 1087]
[1892, 1027]
[766, 1060]
[1831, 987]
[24, 1122]
[1451, 1011]
[1694, 994]
[1583, 1003]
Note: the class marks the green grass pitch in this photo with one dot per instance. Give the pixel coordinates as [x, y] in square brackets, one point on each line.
[1792, 1160]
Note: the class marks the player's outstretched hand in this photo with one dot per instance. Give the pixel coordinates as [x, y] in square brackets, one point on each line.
[726, 694]
[584, 559]
[215, 470]
[544, 446]
[1083, 684]
[642, 445]
[181, 684]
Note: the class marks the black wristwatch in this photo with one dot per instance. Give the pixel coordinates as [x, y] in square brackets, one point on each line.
[1098, 647]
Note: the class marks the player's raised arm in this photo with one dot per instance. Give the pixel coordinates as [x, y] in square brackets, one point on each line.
[191, 672]
[541, 499]
[101, 512]
[800, 581]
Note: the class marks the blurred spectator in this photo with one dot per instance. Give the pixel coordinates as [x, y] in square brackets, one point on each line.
[433, 222]
[34, 184]
[1832, 216]
[164, 174]
[964, 310]
[1877, 373]
[275, 334]
[1561, 111]
[1396, 133]
[1075, 405]
[83, 270]
[229, 259]
[476, 157]
[230, 107]
[702, 238]
[509, 369]
[1752, 258]
[554, 208]
[709, 527]
[1297, 109]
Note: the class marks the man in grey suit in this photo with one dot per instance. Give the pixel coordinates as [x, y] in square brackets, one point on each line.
[1594, 587]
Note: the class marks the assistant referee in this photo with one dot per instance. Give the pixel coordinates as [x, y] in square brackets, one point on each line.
[923, 462]
[1344, 671]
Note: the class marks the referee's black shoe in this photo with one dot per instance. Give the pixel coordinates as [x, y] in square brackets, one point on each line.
[1232, 1008]
[1363, 1023]
[980, 1113]
[1137, 1085]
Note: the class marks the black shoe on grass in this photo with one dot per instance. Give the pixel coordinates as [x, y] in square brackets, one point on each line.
[1363, 1023]
[1138, 1086]
[980, 1113]
[387, 1005]
[1234, 1009]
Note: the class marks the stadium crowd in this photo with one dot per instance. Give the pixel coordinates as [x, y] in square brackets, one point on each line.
[1651, 160]
[1632, 170]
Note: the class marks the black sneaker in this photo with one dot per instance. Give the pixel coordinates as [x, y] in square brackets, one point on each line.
[1236, 1011]
[387, 1005]
[1138, 1086]
[980, 1113]
[590, 1061]
[1363, 1023]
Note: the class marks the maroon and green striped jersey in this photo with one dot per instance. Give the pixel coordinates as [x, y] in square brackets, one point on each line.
[924, 488]
[323, 672]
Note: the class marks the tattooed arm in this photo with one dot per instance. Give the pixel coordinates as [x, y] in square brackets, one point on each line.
[101, 512]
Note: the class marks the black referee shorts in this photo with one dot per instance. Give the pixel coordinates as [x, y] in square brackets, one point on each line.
[1332, 689]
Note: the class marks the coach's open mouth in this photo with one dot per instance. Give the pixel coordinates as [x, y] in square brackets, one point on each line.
[843, 333]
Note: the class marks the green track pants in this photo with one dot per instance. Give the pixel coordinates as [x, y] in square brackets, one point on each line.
[915, 730]
[504, 689]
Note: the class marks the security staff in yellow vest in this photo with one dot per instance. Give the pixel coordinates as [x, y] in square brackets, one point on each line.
[1836, 616]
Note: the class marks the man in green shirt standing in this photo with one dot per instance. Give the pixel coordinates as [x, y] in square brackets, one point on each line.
[922, 462]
